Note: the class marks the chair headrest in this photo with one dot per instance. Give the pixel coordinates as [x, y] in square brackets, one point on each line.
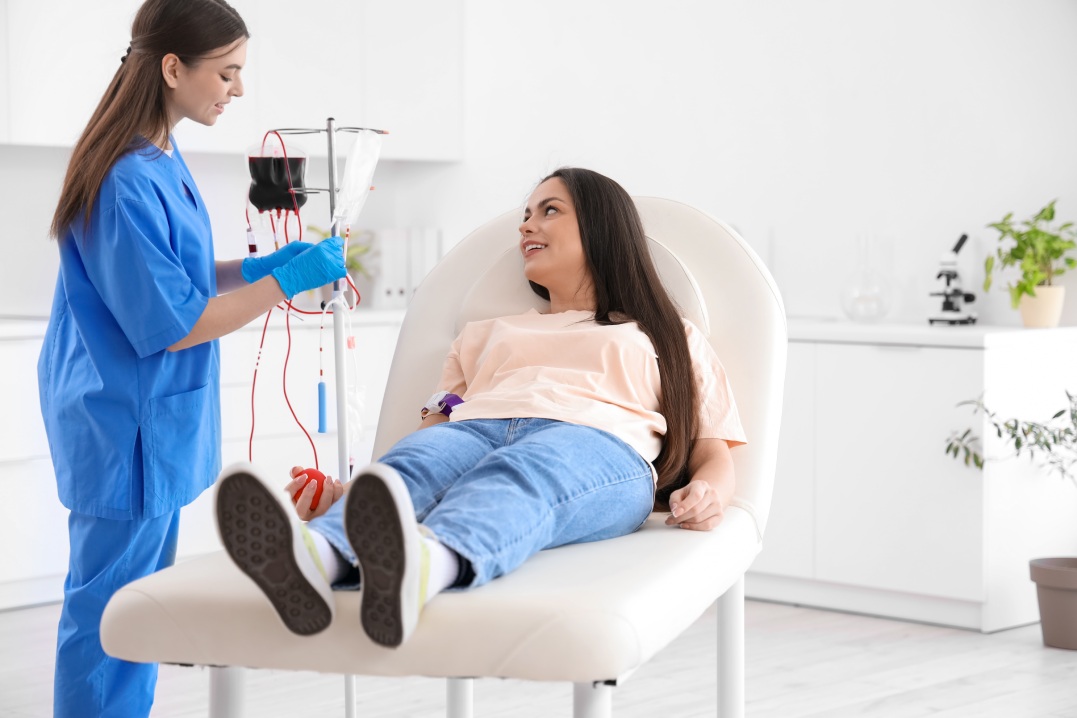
[502, 290]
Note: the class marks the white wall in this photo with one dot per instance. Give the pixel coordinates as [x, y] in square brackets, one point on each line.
[804, 124]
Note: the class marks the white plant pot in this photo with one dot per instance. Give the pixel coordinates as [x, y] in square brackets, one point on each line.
[1044, 309]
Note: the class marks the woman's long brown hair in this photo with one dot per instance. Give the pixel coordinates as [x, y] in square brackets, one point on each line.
[132, 113]
[627, 284]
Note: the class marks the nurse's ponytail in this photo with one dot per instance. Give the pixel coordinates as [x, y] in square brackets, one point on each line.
[132, 113]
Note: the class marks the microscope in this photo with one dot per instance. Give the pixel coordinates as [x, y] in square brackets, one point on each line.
[953, 296]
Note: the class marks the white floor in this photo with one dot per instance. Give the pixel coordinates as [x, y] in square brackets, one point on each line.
[801, 662]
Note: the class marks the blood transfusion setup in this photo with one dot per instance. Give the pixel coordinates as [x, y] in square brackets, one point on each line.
[277, 191]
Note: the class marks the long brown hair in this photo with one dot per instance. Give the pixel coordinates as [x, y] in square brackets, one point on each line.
[627, 285]
[132, 112]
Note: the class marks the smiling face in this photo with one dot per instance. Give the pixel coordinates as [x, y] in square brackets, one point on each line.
[200, 91]
[552, 249]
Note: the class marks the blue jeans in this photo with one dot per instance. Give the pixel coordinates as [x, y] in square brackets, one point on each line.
[498, 491]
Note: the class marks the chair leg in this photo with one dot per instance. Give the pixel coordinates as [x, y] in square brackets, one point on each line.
[349, 695]
[225, 692]
[459, 697]
[592, 700]
[731, 652]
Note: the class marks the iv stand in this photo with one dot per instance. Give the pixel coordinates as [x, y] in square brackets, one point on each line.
[338, 320]
[339, 341]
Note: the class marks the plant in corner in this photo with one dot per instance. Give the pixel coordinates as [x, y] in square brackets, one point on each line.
[1053, 444]
[1040, 251]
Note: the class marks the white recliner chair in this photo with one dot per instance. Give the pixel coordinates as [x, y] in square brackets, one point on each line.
[589, 614]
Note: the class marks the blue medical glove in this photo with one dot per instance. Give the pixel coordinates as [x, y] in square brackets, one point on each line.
[321, 264]
[255, 268]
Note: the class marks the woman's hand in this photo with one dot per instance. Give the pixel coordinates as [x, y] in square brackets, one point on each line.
[332, 490]
[696, 506]
[701, 504]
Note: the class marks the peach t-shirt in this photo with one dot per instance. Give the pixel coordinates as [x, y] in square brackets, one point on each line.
[566, 367]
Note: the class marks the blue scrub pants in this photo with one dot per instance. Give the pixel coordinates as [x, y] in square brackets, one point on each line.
[498, 491]
[106, 555]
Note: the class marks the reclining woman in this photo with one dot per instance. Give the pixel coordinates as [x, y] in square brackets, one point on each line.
[549, 429]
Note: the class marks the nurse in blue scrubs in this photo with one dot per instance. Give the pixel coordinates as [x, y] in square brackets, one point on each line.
[129, 370]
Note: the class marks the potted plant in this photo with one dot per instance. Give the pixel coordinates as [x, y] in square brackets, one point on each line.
[1054, 445]
[1040, 251]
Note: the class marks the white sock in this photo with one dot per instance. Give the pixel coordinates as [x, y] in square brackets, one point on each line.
[444, 567]
[336, 567]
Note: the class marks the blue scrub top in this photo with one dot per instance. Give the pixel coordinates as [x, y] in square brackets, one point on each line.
[132, 282]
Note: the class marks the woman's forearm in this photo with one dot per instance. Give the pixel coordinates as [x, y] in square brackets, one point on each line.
[432, 420]
[712, 462]
[228, 312]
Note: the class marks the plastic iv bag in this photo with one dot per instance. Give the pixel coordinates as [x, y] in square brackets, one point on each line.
[358, 174]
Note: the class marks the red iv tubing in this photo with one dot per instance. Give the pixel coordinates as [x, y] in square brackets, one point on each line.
[289, 309]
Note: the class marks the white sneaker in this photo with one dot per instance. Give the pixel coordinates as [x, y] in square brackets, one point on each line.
[267, 542]
[394, 561]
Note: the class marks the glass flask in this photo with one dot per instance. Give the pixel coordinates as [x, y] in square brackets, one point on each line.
[867, 295]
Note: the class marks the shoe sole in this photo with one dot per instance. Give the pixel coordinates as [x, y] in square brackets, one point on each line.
[258, 536]
[375, 530]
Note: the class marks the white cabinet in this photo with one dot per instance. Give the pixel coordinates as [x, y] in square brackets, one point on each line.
[33, 519]
[5, 78]
[50, 101]
[385, 65]
[882, 415]
[870, 515]
[394, 66]
[308, 64]
[792, 514]
[33, 525]
[413, 77]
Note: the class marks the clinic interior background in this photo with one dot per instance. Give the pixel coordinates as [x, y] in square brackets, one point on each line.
[806, 125]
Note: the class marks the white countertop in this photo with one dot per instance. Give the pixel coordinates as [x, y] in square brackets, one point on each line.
[975, 336]
[12, 328]
[801, 329]
[359, 318]
[22, 328]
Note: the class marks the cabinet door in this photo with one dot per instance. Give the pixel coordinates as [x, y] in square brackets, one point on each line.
[33, 528]
[22, 436]
[788, 545]
[91, 38]
[51, 101]
[308, 67]
[396, 66]
[892, 510]
[5, 79]
[412, 77]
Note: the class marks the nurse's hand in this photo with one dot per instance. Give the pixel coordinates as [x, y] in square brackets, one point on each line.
[332, 490]
[255, 268]
[321, 264]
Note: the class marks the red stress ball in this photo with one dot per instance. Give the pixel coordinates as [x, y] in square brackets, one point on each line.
[315, 475]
